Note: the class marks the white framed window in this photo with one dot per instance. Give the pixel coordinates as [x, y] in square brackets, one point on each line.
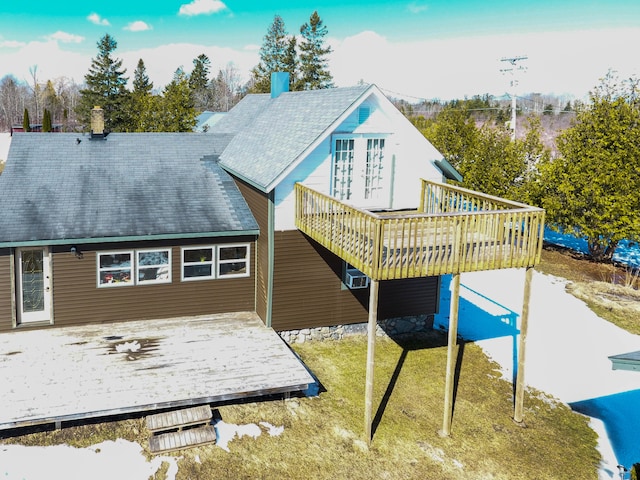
[233, 260]
[343, 168]
[115, 269]
[198, 263]
[215, 261]
[153, 266]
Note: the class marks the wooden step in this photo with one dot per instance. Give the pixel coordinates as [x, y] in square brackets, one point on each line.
[171, 441]
[178, 419]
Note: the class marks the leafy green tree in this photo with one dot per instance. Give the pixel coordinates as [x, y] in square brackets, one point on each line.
[314, 71]
[274, 57]
[106, 87]
[592, 188]
[46, 121]
[26, 123]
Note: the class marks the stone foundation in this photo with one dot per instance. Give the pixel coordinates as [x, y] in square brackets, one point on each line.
[385, 328]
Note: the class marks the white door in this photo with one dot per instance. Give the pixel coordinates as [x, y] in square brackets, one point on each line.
[33, 272]
[362, 172]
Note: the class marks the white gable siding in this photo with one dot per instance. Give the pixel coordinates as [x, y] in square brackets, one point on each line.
[407, 153]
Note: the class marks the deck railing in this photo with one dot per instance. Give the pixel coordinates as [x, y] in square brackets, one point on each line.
[453, 230]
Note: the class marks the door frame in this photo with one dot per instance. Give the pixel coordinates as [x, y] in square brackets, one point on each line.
[40, 316]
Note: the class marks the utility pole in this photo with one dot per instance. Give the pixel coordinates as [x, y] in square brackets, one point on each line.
[512, 69]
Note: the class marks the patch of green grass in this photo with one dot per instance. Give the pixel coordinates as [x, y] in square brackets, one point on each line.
[323, 436]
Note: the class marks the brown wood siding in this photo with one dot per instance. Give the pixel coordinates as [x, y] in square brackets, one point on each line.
[308, 289]
[6, 294]
[78, 300]
[259, 205]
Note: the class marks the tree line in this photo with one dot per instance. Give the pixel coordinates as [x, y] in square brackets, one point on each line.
[588, 183]
[142, 107]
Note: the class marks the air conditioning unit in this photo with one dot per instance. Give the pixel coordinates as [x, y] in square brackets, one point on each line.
[354, 278]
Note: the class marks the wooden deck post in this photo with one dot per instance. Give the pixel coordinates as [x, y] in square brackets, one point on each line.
[371, 344]
[451, 357]
[524, 327]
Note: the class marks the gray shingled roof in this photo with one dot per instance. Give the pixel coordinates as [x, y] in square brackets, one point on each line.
[129, 186]
[271, 134]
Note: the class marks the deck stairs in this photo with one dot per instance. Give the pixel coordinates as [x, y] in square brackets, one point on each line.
[180, 429]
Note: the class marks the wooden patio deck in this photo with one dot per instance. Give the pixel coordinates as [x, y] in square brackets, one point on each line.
[70, 373]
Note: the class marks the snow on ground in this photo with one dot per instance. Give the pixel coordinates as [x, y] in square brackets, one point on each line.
[105, 461]
[567, 351]
[5, 141]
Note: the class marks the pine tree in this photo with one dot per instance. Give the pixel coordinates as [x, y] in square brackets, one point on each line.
[314, 73]
[273, 57]
[177, 106]
[106, 87]
[46, 121]
[199, 82]
[26, 123]
[141, 83]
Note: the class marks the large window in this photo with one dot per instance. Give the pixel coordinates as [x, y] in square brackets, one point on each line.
[116, 269]
[361, 172]
[343, 169]
[215, 261]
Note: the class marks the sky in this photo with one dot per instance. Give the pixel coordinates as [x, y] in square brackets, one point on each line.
[414, 49]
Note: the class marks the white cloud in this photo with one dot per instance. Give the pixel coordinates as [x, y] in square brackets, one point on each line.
[65, 37]
[138, 26]
[50, 58]
[202, 7]
[559, 62]
[415, 7]
[11, 44]
[97, 20]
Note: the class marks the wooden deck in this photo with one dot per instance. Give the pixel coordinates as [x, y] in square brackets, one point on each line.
[454, 230]
[70, 373]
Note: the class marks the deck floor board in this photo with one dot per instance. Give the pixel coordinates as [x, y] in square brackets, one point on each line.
[67, 373]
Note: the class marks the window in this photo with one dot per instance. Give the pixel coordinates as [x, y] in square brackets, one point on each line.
[208, 262]
[115, 268]
[153, 266]
[343, 169]
[197, 263]
[233, 261]
[373, 178]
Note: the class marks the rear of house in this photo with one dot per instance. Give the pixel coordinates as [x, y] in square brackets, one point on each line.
[102, 228]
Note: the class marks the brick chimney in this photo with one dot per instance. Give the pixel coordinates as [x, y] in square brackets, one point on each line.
[97, 124]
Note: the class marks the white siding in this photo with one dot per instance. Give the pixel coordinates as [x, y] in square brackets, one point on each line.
[406, 149]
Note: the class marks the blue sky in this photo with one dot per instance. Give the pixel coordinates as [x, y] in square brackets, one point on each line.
[417, 48]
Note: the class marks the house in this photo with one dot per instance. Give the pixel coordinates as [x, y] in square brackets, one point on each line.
[311, 209]
[99, 228]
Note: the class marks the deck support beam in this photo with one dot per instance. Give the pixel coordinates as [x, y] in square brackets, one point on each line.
[371, 344]
[451, 356]
[518, 415]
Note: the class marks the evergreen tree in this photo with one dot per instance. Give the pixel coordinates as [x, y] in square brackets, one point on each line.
[274, 57]
[106, 87]
[199, 82]
[26, 123]
[314, 72]
[141, 83]
[177, 106]
[46, 121]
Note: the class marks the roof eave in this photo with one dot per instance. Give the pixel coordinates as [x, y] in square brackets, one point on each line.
[131, 238]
